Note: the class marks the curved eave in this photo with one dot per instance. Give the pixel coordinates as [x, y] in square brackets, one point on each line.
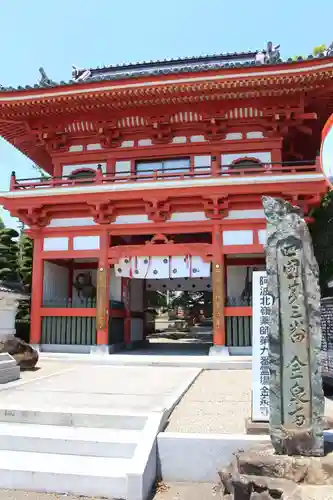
[226, 80]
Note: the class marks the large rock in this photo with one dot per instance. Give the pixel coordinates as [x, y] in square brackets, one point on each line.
[245, 487]
[25, 356]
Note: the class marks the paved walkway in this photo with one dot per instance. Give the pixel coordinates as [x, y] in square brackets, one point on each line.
[139, 388]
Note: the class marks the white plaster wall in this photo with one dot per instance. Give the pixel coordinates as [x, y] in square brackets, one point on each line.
[262, 235]
[187, 217]
[136, 329]
[197, 138]
[93, 147]
[229, 158]
[136, 295]
[241, 237]
[55, 244]
[76, 148]
[86, 243]
[179, 140]
[132, 219]
[55, 284]
[254, 135]
[115, 286]
[234, 136]
[69, 169]
[127, 144]
[145, 142]
[72, 222]
[246, 214]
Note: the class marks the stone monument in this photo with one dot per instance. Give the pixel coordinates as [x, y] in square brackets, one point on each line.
[296, 454]
[296, 394]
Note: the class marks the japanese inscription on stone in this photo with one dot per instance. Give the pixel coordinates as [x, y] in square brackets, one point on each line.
[295, 389]
[262, 303]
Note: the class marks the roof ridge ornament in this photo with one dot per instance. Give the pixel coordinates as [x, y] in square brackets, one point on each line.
[45, 81]
[80, 74]
[329, 50]
[270, 55]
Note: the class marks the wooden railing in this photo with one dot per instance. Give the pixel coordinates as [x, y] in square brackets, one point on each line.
[99, 178]
[238, 331]
[73, 322]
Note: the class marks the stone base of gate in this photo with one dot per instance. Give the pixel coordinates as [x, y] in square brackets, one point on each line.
[219, 350]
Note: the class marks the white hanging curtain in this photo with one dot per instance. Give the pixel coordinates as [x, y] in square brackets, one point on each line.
[184, 266]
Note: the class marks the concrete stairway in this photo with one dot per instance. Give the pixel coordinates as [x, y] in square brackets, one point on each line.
[91, 454]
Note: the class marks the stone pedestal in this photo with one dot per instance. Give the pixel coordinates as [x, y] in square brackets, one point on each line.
[9, 370]
[219, 350]
[261, 473]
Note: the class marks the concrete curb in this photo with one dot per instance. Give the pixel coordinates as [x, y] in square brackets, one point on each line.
[200, 362]
[198, 457]
[190, 457]
[142, 471]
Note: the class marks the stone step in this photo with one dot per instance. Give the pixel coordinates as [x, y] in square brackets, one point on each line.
[73, 418]
[71, 474]
[9, 373]
[111, 443]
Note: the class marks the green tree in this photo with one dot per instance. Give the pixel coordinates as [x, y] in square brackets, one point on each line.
[25, 261]
[319, 49]
[8, 254]
[25, 256]
[322, 237]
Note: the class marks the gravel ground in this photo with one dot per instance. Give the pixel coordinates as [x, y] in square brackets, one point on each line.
[219, 401]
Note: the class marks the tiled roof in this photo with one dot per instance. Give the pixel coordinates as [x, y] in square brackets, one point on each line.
[16, 288]
[159, 68]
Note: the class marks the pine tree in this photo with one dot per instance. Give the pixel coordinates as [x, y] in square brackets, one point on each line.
[25, 260]
[25, 271]
[8, 254]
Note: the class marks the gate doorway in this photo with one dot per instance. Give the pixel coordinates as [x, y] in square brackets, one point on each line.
[167, 289]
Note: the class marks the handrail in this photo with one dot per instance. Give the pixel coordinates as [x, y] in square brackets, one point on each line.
[151, 175]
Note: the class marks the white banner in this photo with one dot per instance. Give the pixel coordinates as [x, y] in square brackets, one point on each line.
[261, 318]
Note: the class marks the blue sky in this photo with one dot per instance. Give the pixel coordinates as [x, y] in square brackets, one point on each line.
[90, 33]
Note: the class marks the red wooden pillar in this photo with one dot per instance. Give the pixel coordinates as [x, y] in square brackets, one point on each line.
[218, 278]
[125, 291]
[276, 157]
[37, 291]
[103, 292]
